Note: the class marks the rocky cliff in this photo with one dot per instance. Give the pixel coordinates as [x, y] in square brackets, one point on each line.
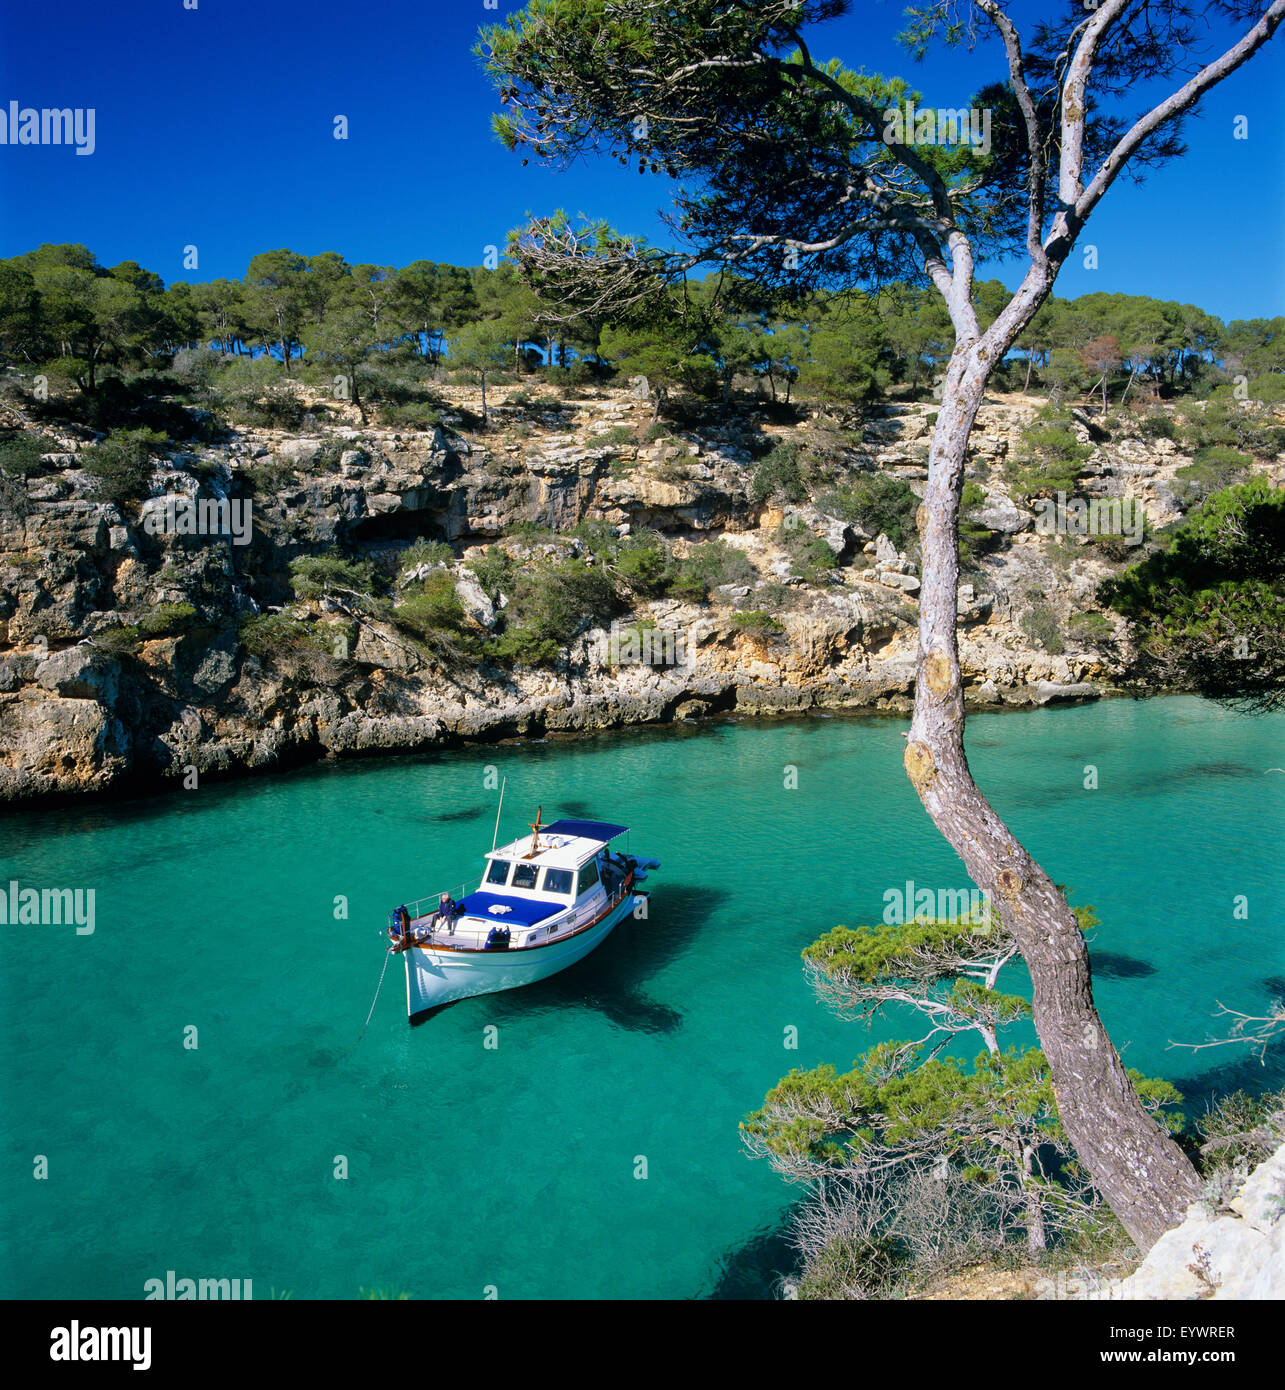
[81, 709]
[1231, 1251]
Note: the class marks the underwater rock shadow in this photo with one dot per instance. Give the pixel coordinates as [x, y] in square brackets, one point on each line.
[468, 813]
[753, 1270]
[1243, 1072]
[608, 979]
[1115, 965]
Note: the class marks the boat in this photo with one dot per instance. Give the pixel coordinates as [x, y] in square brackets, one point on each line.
[544, 902]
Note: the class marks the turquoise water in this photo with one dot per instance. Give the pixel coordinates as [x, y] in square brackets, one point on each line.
[514, 1167]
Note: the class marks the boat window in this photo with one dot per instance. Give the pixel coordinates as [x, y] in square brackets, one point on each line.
[523, 876]
[558, 880]
[589, 875]
[498, 872]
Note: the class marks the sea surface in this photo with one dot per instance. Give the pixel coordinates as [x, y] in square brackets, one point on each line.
[188, 1070]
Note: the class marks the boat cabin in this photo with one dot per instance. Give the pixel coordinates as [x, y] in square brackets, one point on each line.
[538, 888]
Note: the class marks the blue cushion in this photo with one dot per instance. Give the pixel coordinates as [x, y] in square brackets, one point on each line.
[524, 912]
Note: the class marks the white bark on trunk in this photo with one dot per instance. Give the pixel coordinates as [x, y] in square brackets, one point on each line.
[1142, 1173]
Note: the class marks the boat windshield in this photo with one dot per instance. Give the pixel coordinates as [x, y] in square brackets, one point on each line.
[524, 876]
[558, 881]
[498, 871]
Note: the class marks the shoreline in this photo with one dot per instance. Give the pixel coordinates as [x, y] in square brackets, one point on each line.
[135, 785]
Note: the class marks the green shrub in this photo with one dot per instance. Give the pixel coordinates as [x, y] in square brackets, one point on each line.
[671, 471]
[268, 479]
[1208, 609]
[875, 1266]
[119, 641]
[433, 614]
[773, 595]
[757, 623]
[1242, 1129]
[272, 635]
[618, 434]
[1270, 388]
[1225, 420]
[494, 571]
[1214, 467]
[778, 476]
[167, 620]
[522, 647]
[1089, 627]
[584, 372]
[598, 536]
[551, 602]
[1158, 424]
[425, 552]
[271, 406]
[644, 567]
[974, 538]
[811, 559]
[1040, 626]
[414, 415]
[878, 502]
[533, 532]
[1050, 460]
[708, 566]
[20, 453]
[311, 576]
[122, 464]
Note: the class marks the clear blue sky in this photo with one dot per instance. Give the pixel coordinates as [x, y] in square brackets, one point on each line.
[214, 128]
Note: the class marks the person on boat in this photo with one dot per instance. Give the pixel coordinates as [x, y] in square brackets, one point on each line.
[446, 911]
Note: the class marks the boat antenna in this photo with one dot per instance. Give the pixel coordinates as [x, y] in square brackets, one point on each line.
[498, 809]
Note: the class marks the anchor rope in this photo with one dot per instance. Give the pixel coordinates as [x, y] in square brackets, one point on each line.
[387, 954]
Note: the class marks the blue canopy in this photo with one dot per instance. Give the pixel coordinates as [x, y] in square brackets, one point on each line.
[523, 912]
[586, 829]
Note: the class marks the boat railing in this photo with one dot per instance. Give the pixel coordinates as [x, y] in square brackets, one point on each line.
[426, 906]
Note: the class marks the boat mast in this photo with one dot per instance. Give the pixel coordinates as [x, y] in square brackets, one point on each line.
[535, 835]
[498, 809]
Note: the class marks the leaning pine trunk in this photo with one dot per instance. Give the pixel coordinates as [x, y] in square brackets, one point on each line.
[1140, 1171]
[1036, 1237]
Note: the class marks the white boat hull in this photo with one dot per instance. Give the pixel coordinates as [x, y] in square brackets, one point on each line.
[436, 977]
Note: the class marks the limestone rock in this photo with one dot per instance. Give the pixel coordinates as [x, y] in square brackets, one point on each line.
[1236, 1254]
[475, 601]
